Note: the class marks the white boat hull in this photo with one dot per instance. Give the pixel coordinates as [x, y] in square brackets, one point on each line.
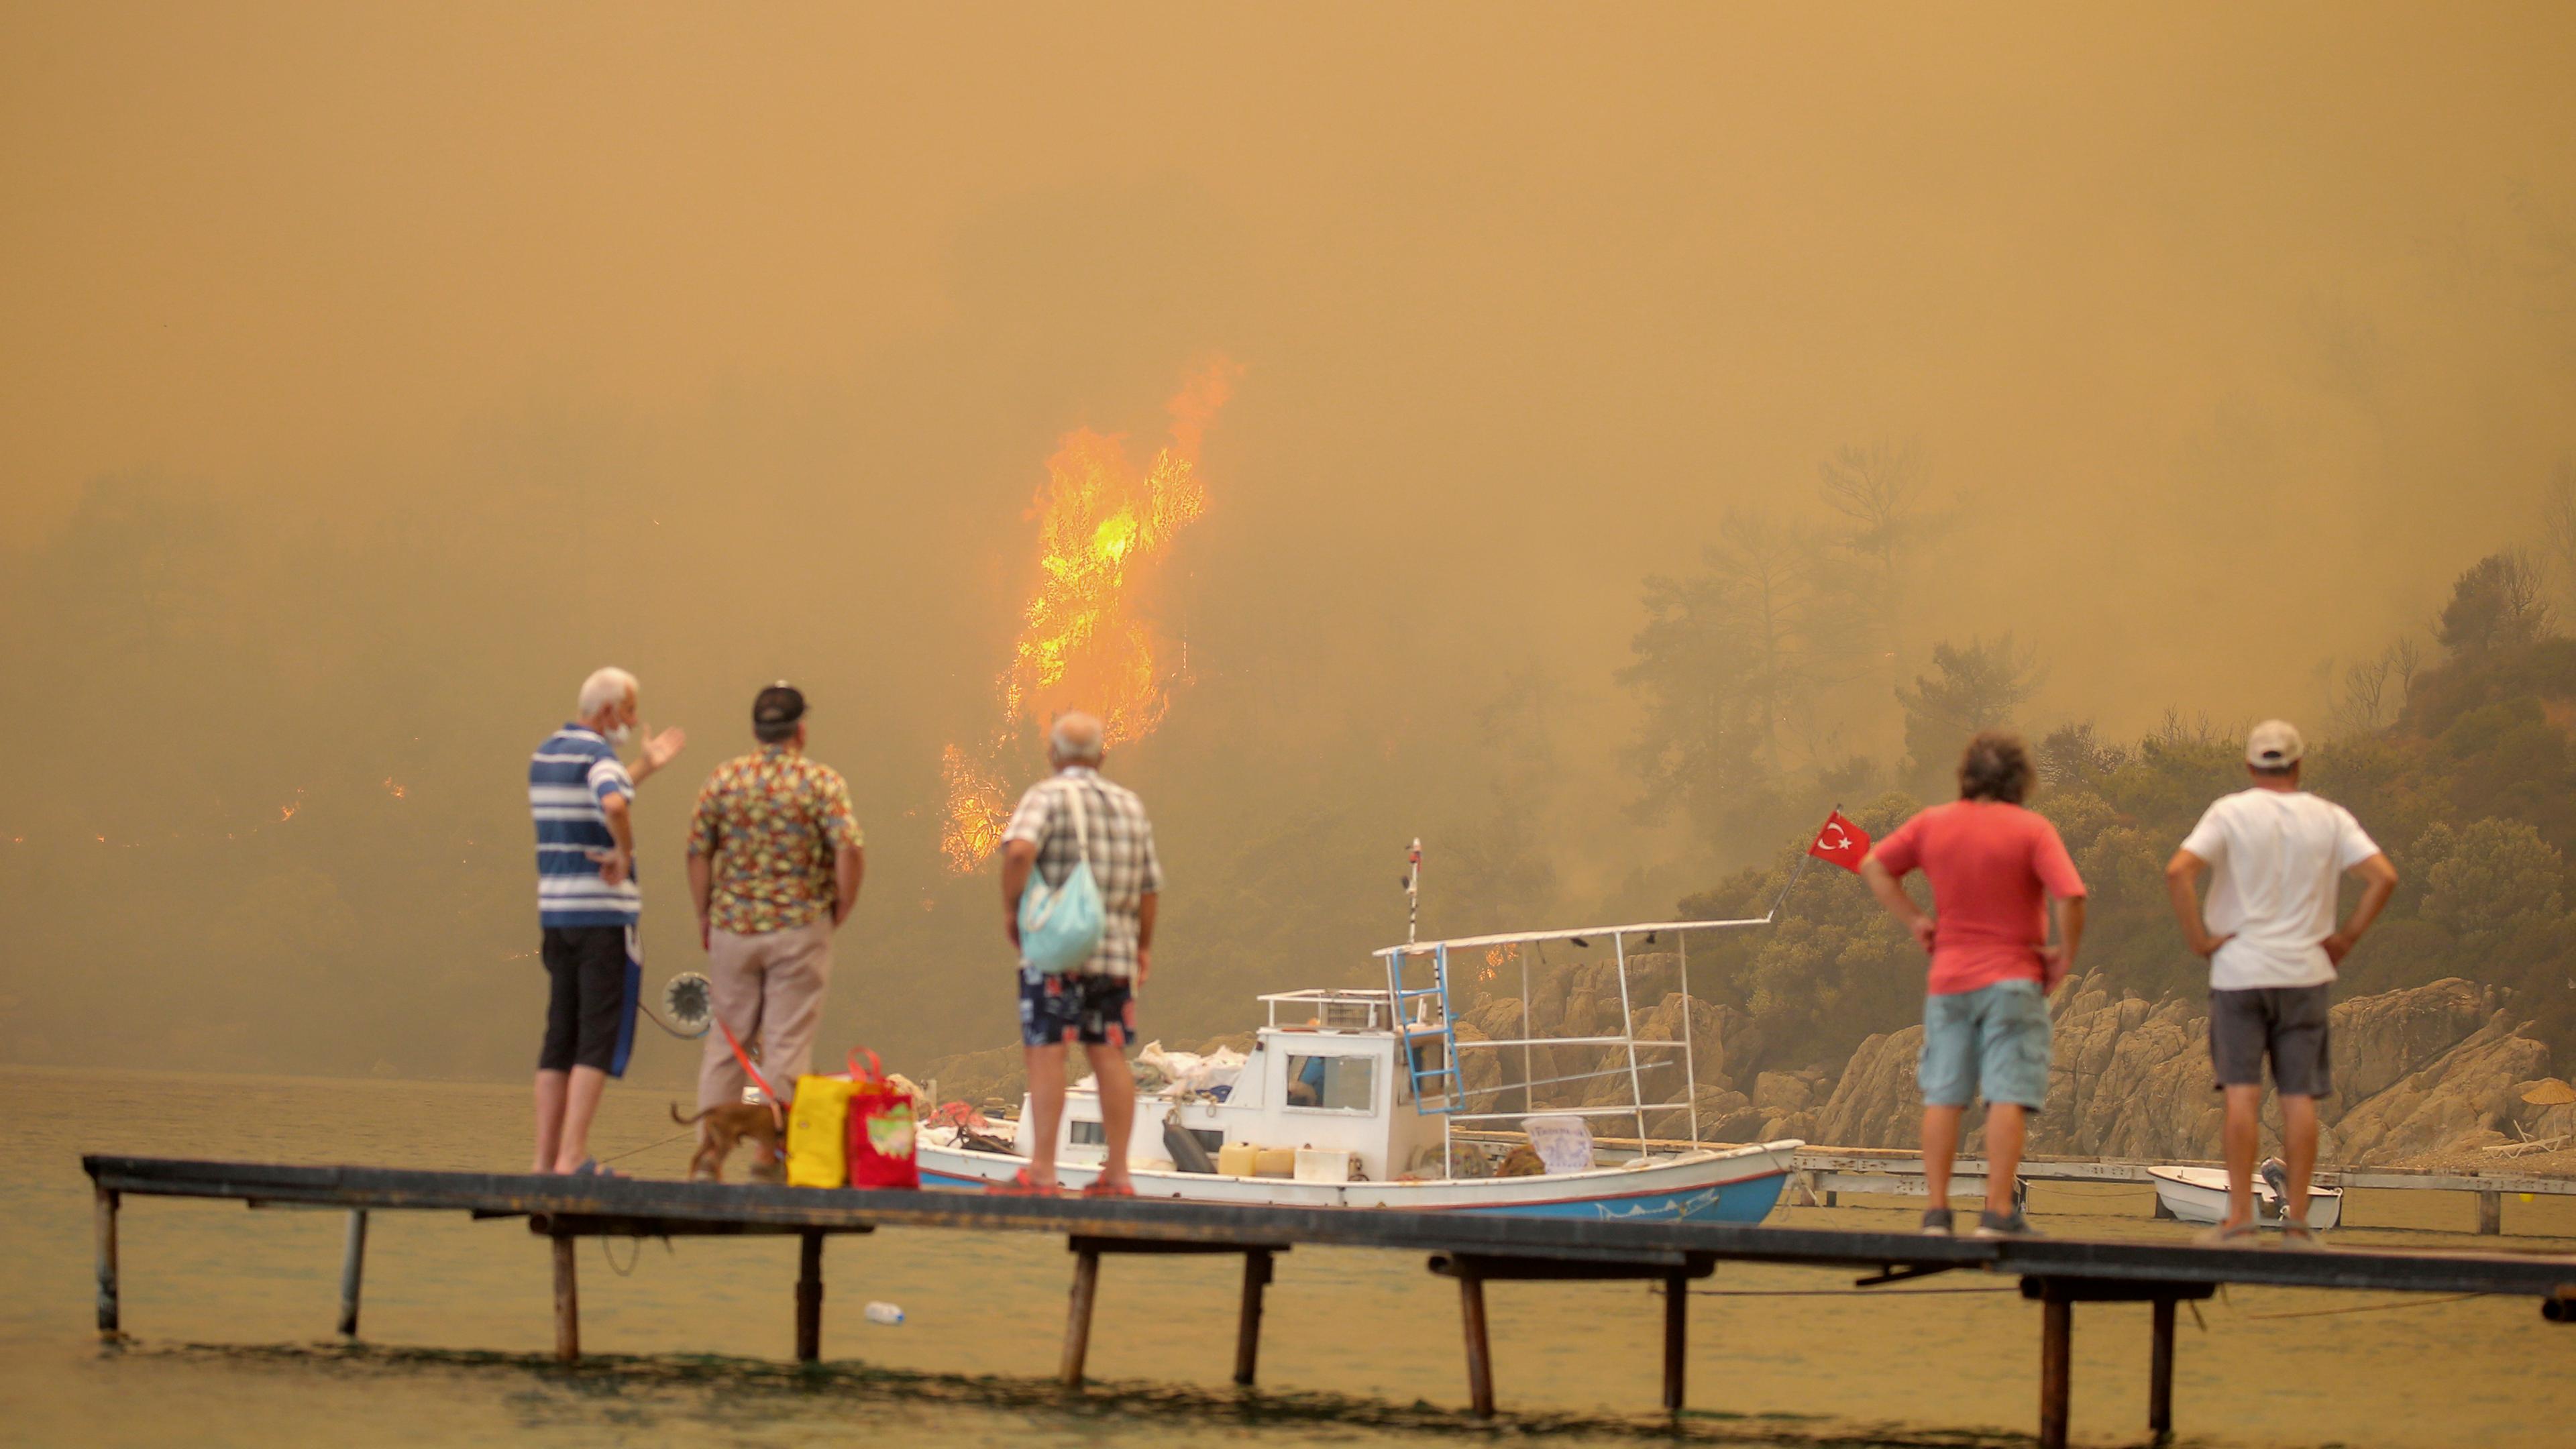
[2199, 1195]
[1734, 1184]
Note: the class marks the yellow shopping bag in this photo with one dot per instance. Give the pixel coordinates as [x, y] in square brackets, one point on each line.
[817, 1124]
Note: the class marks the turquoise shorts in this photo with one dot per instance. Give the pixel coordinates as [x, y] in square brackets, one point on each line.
[1991, 1042]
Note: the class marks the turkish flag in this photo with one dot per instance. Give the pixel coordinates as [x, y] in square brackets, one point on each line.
[1841, 842]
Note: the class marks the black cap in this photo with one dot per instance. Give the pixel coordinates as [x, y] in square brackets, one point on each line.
[780, 704]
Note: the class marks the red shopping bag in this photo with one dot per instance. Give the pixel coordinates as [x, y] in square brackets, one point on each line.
[881, 1129]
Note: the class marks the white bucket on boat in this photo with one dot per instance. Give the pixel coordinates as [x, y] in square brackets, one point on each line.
[1564, 1144]
[1326, 1164]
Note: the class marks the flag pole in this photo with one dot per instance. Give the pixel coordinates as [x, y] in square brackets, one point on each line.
[1804, 856]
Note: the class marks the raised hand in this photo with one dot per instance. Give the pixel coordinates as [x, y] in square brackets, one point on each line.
[658, 750]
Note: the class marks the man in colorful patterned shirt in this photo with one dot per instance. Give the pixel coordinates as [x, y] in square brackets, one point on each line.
[774, 866]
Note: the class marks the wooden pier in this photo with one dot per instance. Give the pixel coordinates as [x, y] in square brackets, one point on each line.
[1473, 1248]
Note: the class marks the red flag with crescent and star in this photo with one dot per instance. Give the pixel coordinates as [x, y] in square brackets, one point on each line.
[1841, 843]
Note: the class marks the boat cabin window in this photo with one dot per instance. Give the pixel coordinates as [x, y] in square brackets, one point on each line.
[1332, 1084]
[1089, 1134]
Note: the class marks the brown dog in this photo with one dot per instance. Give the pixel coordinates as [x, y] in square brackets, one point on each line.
[720, 1127]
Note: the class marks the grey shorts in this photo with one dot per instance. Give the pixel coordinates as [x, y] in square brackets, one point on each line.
[2286, 1022]
[1992, 1042]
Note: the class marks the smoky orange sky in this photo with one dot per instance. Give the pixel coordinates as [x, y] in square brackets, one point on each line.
[369, 374]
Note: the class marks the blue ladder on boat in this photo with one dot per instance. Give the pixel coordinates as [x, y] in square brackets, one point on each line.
[1436, 1090]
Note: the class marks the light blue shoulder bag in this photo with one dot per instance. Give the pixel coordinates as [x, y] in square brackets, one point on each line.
[1060, 926]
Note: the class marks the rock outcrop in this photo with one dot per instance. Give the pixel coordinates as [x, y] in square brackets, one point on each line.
[2417, 1071]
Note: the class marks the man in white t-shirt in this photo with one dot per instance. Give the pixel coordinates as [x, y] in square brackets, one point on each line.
[2276, 855]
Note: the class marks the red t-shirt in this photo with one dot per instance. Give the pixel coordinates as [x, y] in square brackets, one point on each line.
[1993, 867]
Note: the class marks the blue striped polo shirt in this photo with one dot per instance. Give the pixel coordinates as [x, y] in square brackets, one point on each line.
[569, 777]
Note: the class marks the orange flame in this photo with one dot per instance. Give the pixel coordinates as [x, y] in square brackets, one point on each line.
[1104, 529]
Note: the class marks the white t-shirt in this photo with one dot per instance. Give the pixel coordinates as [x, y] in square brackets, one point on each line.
[2275, 858]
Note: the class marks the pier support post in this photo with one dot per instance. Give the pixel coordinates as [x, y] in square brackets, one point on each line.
[1480, 1354]
[108, 1321]
[1247, 1331]
[2160, 1372]
[1676, 1332]
[353, 1263]
[809, 1297]
[2056, 1363]
[2490, 1214]
[567, 1301]
[1077, 1319]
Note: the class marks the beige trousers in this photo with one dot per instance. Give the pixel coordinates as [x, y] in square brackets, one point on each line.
[769, 989]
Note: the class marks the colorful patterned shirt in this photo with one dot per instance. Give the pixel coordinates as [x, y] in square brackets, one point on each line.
[771, 821]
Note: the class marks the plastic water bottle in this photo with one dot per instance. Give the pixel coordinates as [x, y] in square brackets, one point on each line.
[885, 1313]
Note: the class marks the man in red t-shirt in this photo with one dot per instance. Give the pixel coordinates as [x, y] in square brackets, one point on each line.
[1996, 871]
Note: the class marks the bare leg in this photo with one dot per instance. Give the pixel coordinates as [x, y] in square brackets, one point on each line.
[1046, 1109]
[2243, 1133]
[550, 1115]
[1940, 1144]
[2004, 1123]
[2299, 1144]
[581, 1103]
[1117, 1108]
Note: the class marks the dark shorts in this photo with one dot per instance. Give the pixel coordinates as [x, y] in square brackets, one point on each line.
[2286, 1022]
[1101, 1010]
[590, 1012]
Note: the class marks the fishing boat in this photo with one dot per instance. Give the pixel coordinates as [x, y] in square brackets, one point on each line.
[2199, 1195]
[1371, 1098]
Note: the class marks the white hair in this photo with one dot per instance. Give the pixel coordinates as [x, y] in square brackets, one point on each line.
[604, 689]
[1075, 737]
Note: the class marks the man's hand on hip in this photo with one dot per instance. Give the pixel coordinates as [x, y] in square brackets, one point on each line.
[615, 866]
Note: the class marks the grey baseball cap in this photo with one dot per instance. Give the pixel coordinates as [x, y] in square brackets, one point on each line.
[2274, 744]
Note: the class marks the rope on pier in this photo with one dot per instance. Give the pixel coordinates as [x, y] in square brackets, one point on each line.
[649, 1146]
[2363, 1307]
[1835, 1292]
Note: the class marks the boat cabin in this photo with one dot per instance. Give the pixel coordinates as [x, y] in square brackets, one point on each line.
[1324, 1074]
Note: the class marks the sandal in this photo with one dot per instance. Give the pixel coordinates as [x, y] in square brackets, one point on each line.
[1020, 1186]
[2301, 1238]
[2240, 1235]
[590, 1168]
[1097, 1188]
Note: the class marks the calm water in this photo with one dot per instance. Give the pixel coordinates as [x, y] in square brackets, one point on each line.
[231, 1312]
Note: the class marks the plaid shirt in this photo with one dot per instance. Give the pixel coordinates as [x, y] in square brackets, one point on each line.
[1121, 842]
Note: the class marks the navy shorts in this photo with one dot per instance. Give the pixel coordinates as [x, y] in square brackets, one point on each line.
[1101, 1010]
[594, 982]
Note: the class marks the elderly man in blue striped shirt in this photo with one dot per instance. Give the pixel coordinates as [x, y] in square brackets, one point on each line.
[588, 905]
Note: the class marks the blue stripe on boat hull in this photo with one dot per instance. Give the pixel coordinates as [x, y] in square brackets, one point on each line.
[1749, 1200]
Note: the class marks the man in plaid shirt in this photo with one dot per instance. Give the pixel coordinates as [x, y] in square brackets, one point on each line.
[1097, 1000]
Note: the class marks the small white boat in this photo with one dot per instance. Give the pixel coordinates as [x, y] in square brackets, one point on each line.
[1349, 1098]
[2199, 1195]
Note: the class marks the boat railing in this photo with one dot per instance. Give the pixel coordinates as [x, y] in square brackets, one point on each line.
[1442, 1089]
